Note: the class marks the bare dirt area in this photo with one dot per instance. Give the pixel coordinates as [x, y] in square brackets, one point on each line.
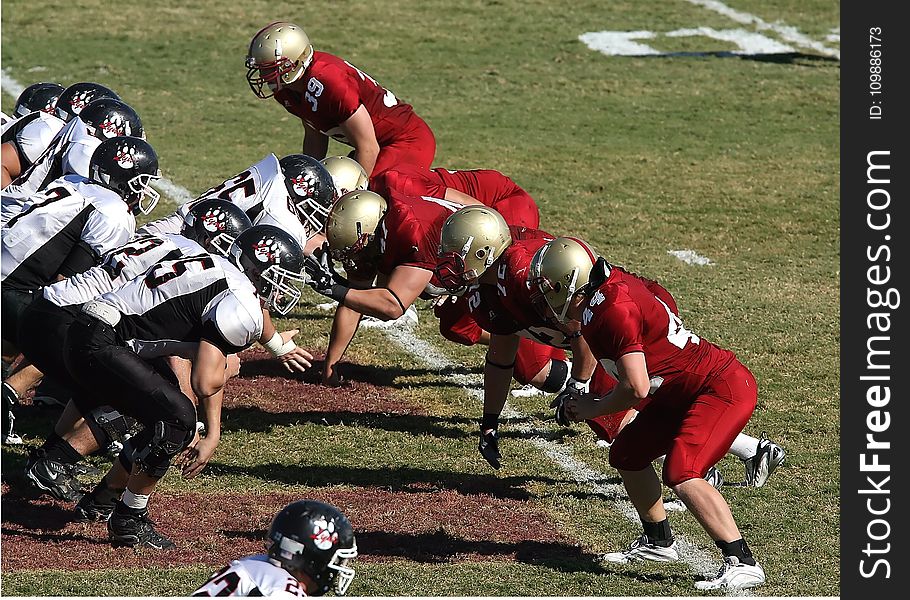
[432, 527]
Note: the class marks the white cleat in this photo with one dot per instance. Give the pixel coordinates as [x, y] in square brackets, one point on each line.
[734, 575]
[767, 458]
[527, 391]
[714, 477]
[643, 549]
[408, 319]
[327, 306]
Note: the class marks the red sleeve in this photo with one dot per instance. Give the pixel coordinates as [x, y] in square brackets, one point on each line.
[341, 97]
[613, 330]
[402, 242]
[412, 180]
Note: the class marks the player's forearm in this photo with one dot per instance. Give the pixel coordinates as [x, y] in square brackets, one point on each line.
[367, 154]
[496, 383]
[344, 326]
[211, 406]
[583, 361]
[315, 143]
[377, 302]
[622, 397]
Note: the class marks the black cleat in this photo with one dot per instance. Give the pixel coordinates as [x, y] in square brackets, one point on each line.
[98, 504]
[53, 477]
[134, 528]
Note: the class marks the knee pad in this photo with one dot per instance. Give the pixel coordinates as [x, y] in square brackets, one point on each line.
[167, 440]
[111, 428]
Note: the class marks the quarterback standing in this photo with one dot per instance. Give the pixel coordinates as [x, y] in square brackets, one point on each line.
[333, 98]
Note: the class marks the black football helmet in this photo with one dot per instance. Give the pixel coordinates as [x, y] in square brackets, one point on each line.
[273, 261]
[109, 117]
[316, 539]
[38, 96]
[215, 224]
[127, 165]
[77, 96]
[311, 190]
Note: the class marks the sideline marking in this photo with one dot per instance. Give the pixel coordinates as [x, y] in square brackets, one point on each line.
[691, 257]
[178, 194]
[623, 43]
[698, 560]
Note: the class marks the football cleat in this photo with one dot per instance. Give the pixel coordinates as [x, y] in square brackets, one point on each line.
[643, 549]
[55, 478]
[10, 401]
[767, 458]
[734, 575]
[98, 504]
[126, 528]
[527, 391]
[714, 477]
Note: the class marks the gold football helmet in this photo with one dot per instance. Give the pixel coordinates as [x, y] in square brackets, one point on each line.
[347, 174]
[472, 238]
[353, 223]
[279, 54]
[559, 270]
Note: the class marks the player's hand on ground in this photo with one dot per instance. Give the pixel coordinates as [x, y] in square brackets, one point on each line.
[198, 456]
[330, 376]
[298, 359]
[489, 447]
[232, 366]
[581, 408]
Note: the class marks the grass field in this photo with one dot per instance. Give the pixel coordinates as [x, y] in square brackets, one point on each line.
[733, 157]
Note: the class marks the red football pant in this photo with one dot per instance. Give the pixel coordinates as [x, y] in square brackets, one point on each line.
[694, 434]
[417, 146]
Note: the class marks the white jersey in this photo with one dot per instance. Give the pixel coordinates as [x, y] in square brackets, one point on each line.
[73, 215]
[119, 266]
[252, 576]
[32, 134]
[176, 303]
[259, 191]
[68, 153]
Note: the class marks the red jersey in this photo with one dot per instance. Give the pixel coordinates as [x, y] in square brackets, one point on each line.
[335, 90]
[625, 315]
[410, 231]
[506, 307]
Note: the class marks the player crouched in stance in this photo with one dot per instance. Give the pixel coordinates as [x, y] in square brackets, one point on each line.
[309, 549]
[701, 397]
[203, 306]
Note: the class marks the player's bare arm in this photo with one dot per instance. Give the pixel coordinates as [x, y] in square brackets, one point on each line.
[358, 129]
[11, 165]
[583, 361]
[454, 195]
[497, 372]
[389, 302]
[315, 143]
[207, 378]
[633, 387]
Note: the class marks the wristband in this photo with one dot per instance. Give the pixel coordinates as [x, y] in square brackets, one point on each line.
[337, 292]
[578, 385]
[277, 346]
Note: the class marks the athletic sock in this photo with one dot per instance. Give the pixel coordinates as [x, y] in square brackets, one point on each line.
[738, 548]
[58, 449]
[658, 533]
[134, 502]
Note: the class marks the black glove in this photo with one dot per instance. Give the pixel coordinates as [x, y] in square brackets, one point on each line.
[574, 389]
[489, 447]
[321, 275]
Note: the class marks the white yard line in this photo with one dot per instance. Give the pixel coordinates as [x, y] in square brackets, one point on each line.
[690, 257]
[178, 194]
[561, 455]
[786, 32]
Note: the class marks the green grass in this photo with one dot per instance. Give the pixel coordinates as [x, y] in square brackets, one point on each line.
[736, 159]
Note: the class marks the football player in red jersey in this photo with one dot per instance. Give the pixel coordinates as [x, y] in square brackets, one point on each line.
[395, 241]
[489, 187]
[335, 99]
[700, 398]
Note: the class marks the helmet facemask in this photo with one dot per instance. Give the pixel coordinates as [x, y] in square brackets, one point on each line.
[279, 292]
[144, 197]
[453, 272]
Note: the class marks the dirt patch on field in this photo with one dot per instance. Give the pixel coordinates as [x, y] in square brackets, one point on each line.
[212, 529]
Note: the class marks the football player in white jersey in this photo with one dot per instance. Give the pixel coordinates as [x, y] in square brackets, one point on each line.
[294, 193]
[212, 226]
[34, 138]
[70, 151]
[310, 549]
[202, 307]
[33, 125]
[66, 229]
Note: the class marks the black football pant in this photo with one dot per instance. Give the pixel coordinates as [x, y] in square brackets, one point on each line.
[118, 377]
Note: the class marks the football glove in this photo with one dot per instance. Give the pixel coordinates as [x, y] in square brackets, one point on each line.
[489, 448]
[574, 389]
[321, 275]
